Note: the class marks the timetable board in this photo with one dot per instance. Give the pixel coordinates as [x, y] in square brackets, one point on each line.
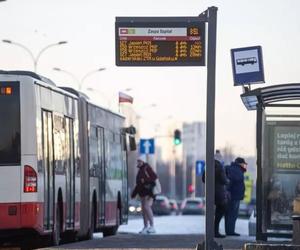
[167, 41]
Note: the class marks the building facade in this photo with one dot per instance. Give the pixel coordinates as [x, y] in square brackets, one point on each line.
[193, 149]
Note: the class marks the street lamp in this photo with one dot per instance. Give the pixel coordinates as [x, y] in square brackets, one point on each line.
[126, 90]
[79, 82]
[88, 74]
[152, 105]
[70, 74]
[101, 94]
[34, 59]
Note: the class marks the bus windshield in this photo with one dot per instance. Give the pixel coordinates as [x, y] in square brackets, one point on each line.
[10, 143]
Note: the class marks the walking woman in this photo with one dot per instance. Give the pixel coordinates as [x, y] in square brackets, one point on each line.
[145, 181]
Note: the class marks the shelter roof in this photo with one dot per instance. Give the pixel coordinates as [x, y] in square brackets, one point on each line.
[271, 94]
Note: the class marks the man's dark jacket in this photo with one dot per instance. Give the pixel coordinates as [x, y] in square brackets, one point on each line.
[236, 187]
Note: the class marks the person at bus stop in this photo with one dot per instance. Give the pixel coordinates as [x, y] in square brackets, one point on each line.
[145, 181]
[221, 195]
[235, 173]
[219, 157]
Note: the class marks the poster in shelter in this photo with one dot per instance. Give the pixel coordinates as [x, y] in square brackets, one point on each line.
[287, 148]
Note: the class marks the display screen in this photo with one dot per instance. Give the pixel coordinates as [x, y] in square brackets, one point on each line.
[10, 126]
[6, 91]
[165, 43]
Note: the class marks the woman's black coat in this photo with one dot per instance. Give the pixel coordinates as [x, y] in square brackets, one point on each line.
[221, 182]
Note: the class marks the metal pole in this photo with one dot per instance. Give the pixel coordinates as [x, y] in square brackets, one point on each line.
[259, 183]
[172, 173]
[184, 169]
[88, 74]
[36, 60]
[25, 48]
[193, 173]
[210, 131]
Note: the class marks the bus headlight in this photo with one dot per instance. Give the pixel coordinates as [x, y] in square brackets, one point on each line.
[131, 209]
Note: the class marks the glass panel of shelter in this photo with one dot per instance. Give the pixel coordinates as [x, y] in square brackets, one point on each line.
[280, 166]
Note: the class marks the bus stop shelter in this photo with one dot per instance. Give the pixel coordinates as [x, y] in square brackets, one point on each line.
[278, 157]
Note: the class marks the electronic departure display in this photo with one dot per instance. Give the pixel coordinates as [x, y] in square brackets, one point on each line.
[160, 41]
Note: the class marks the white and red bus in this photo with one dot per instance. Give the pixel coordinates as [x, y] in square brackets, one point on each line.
[63, 161]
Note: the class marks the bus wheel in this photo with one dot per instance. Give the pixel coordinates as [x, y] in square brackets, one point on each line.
[56, 235]
[93, 223]
[113, 230]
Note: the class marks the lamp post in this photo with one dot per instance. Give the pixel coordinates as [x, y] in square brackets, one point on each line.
[68, 73]
[79, 82]
[102, 94]
[34, 59]
[89, 74]
[126, 90]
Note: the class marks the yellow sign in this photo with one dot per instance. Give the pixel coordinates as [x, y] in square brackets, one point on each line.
[248, 188]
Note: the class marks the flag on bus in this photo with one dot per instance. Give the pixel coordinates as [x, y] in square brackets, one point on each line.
[125, 98]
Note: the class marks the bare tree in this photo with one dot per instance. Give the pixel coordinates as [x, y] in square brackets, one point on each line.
[227, 153]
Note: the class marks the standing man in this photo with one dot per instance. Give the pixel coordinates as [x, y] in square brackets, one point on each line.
[235, 173]
[219, 157]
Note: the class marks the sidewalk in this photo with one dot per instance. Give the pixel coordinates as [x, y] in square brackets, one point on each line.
[137, 241]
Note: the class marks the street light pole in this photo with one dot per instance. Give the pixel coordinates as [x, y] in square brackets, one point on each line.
[22, 46]
[68, 73]
[79, 82]
[88, 74]
[102, 94]
[43, 50]
[34, 59]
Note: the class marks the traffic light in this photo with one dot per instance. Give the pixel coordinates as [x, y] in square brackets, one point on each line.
[177, 137]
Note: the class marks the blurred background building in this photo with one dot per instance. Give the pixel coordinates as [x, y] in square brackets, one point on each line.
[193, 144]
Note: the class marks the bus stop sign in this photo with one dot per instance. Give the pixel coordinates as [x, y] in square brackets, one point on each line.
[247, 65]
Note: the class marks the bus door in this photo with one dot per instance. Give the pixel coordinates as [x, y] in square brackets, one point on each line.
[124, 197]
[48, 169]
[101, 154]
[69, 172]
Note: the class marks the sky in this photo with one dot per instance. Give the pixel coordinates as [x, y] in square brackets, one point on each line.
[178, 92]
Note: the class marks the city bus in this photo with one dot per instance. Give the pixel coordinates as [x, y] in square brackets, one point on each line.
[63, 162]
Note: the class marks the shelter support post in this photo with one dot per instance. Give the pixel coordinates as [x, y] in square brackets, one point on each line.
[259, 142]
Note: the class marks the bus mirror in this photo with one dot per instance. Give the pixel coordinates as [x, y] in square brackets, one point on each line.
[124, 142]
[129, 130]
[132, 143]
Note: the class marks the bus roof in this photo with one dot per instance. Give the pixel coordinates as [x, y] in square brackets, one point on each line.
[88, 100]
[66, 90]
[27, 73]
[40, 80]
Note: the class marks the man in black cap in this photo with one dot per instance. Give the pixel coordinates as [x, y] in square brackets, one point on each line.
[235, 173]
